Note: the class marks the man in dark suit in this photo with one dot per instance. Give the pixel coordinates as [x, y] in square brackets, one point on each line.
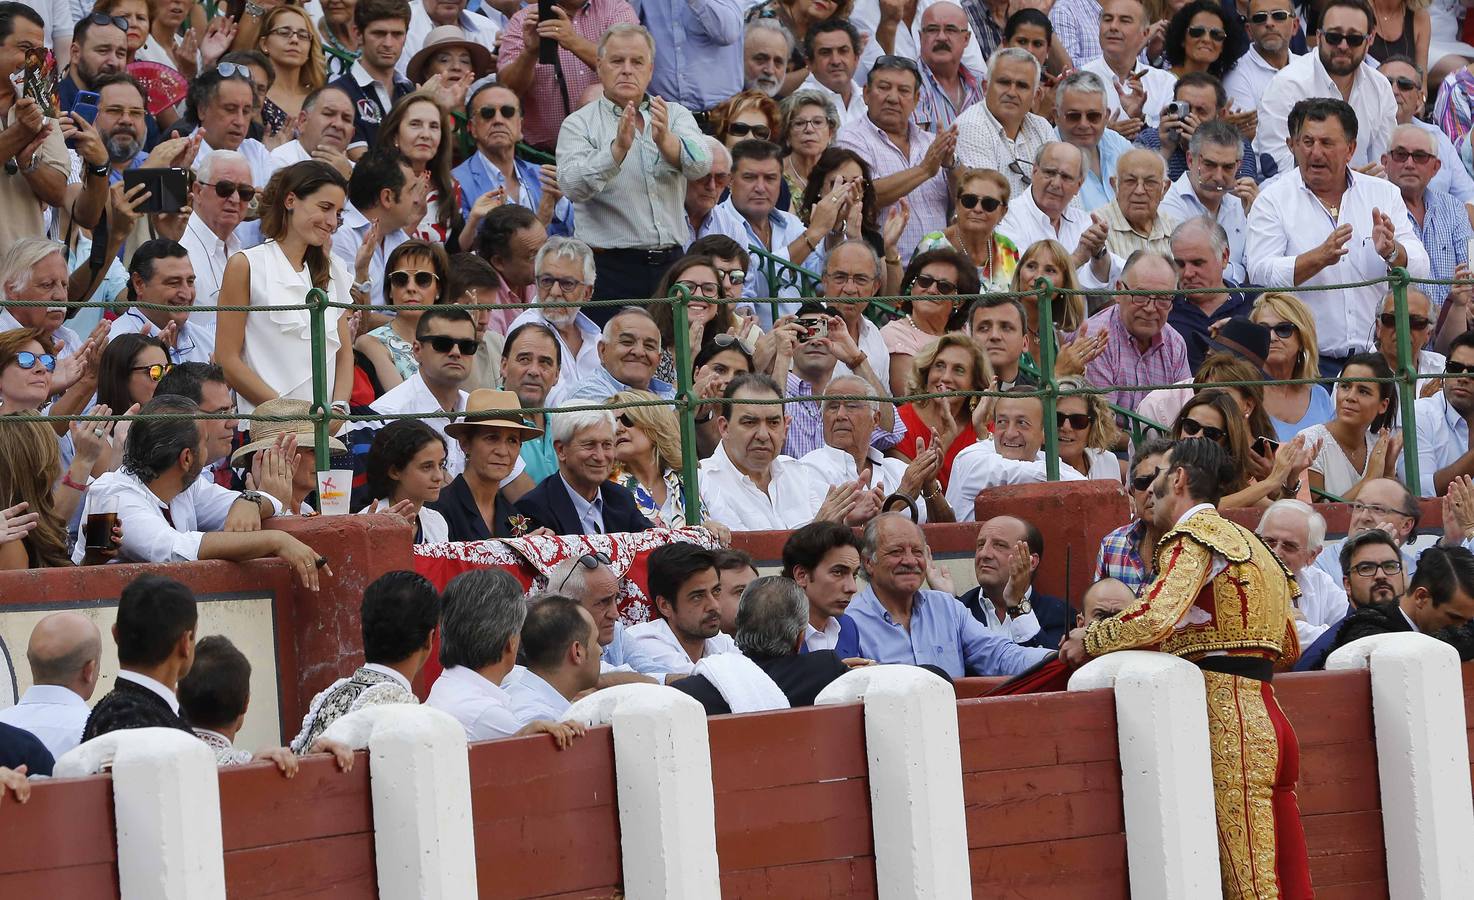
[155, 637]
[579, 498]
[19, 747]
[770, 628]
[1438, 602]
[1372, 574]
[1008, 554]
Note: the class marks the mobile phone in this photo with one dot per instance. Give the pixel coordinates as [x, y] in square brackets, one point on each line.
[814, 327]
[39, 79]
[86, 106]
[547, 51]
[1265, 446]
[169, 188]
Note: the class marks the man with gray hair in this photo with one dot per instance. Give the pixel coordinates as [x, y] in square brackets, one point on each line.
[591, 581]
[1081, 115]
[1200, 250]
[579, 498]
[1047, 211]
[1002, 132]
[36, 269]
[705, 212]
[222, 193]
[948, 86]
[766, 47]
[1141, 348]
[1297, 533]
[481, 617]
[624, 161]
[769, 672]
[1210, 187]
[563, 272]
[65, 656]
[1437, 217]
[1134, 218]
[629, 351]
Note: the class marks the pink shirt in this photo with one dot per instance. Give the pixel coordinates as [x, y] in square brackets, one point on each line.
[1164, 362]
[903, 337]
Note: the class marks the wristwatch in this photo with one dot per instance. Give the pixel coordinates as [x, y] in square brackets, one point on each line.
[253, 496]
[1023, 609]
[363, 287]
[253, 9]
[98, 171]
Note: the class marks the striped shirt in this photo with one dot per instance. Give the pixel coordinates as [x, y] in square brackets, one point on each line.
[1445, 234]
[934, 109]
[1124, 239]
[1077, 26]
[1122, 363]
[806, 430]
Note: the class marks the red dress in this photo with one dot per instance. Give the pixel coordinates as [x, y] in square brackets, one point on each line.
[915, 428]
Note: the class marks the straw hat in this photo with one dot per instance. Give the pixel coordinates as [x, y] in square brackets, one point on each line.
[444, 37]
[267, 433]
[486, 408]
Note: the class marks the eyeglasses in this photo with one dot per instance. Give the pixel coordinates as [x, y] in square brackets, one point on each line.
[224, 189]
[566, 285]
[155, 371]
[1284, 330]
[1216, 35]
[234, 70]
[1414, 323]
[590, 561]
[124, 112]
[1144, 481]
[1378, 509]
[927, 282]
[703, 289]
[1278, 15]
[1352, 39]
[971, 201]
[98, 18]
[1077, 421]
[1192, 428]
[1279, 546]
[1421, 157]
[507, 111]
[948, 30]
[841, 278]
[27, 360]
[1367, 568]
[896, 62]
[625, 420]
[286, 32]
[1094, 116]
[443, 343]
[1457, 368]
[423, 279]
[1158, 302]
[1049, 173]
[1404, 83]
[813, 124]
[731, 276]
[740, 129]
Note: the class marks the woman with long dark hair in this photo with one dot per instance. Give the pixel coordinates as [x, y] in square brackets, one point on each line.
[130, 370]
[422, 131]
[406, 470]
[1356, 445]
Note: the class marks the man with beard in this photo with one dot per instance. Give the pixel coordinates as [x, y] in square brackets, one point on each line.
[1334, 70]
[1445, 450]
[99, 47]
[1439, 601]
[122, 122]
[1223, 601]
[1271, 24]
[1210, 187]
[323, 128]
[563, 272]
[1375, 574]
[683, 586]
[766, 47]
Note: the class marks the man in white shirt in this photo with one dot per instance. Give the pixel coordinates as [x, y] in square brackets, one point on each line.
[563, 271]
[747, 484]
[1337, 69]
[1326, 224]
[1297, 533]
[1002, 132]
[445, 345]
[209, 234]
[1444, 448]
[65, 656]
[1210, 187]
[324, 128]
[1422, 315]
[823, 558]
[1046, 211]
[482, 26]
[1013, 456]
[160, 272]
[683, 587]
[1270, 24]
[560, 642]
[384, 198]
[833, 48]
[1135, 92]
[1384, 504]
[223, 105]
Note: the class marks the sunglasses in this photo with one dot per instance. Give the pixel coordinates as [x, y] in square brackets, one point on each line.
[1094, 116]
[625, 420]
[155, 371]
[98, 18]
[487, 113]
[590, 561]
[1284, 330]
[224, 189]
[1421, 157]
[1192, 428]
[1278, 15]
[703, 289]
[1415, 323]
[27, 360]
[1216, 35]
[1457, 368]
[566, 285]
[727, 341]
[1367, 568]
[1077, 421]
[1334, 38]
[731, 276]
[422, 278]
[234, 70]
[896, 62]
[443, 344]
[740, 129]
[1404, 83]
[1142, 482]
[927, 282]
[971, 201]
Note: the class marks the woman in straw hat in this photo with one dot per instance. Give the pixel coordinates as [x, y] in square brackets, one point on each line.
[283, 470]
[491, 435]
[406, 470]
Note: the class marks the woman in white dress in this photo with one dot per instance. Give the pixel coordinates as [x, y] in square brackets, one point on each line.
[268, 354]
[1087, 431]
[1356, 446]
[406, 470]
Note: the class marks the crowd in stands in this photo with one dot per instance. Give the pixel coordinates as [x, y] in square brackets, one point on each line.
[1216, 166]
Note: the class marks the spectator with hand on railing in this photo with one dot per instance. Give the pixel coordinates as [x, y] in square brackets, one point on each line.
[1357, 445]
[406, 471]
[1014, 455]
[1445, 451]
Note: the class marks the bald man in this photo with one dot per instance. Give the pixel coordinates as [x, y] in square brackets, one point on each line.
[1102, 600]
[65, 654]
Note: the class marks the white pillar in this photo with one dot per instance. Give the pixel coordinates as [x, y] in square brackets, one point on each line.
[420, 782]
[1166, 772]
[915, 762]
[166, 797]
[662, 768]
[1422, 762]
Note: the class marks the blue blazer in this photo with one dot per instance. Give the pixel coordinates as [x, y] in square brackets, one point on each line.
[477, 178]
[848, 645]
[1054, 615]
[549, 505]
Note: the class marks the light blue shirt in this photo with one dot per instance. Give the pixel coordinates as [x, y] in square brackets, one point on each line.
[1096, 191]
[785, 228]
[1452, 177]
[700, 60]
[1443, 437]
[942, 633]
[590, 514]
[600, 386]
[539, 457]
[613, 652]
[478, 177]
[533, 698]
[1182, 203]
[721, 220]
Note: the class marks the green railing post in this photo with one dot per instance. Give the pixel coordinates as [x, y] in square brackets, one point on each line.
[1046, 377]
[685, 403]
[1407, 381]
[317, 298]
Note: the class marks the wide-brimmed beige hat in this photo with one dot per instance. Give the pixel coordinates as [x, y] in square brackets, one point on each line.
[444, 37]
[267, 433]
[486, 408]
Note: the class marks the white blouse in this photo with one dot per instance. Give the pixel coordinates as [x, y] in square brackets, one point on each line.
[278, 344]
[1331, 462]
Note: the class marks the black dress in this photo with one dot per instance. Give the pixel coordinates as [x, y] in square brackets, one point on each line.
[463, 516]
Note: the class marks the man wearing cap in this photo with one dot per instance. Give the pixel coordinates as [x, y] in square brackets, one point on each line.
[1200, 250]
[445, 347]
[493, 175]
[441, 21]
[579, 498]
[490, 439]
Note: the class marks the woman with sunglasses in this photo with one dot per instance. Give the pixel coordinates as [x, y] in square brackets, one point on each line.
[1214, 414]
[1088, 436]
[290, 42]
[1202, 38]
[406, 470]
[421, 130]
[982, 202]
[953, 363]
[647, 459]
[27, 365]
[130, 371]
[708, 320]
[414, 276]
[1357, 445]
[932, 281]
[269, 354]
[1048, 259]
[810, 122]
[750, 115]
[1292, 408]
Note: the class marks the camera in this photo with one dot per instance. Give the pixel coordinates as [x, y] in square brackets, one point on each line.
[1177, 109]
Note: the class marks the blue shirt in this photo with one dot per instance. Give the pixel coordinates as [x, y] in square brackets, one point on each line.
[942, 633]
[1452, 177]
[477, 177]
[1096, 191]
[1151, 139]
[700, 60]
[1318, 411]
[600, 386]
[590, 513]
[1187, 317]
[1445, 234]
[1313, 658]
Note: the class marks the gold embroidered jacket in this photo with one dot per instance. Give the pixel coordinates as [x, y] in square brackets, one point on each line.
[1189, 610]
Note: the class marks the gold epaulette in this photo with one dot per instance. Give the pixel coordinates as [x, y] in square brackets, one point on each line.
[1216, 533]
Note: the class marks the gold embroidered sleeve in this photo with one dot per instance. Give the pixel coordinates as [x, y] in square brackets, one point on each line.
[1186, 565]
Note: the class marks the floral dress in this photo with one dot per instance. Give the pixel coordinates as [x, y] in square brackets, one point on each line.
[401, 352]
[672, 514]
